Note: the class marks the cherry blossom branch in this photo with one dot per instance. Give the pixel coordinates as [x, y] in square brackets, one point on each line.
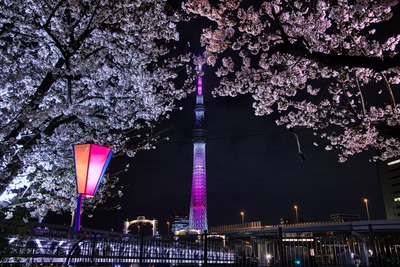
[69, 84]
[46, 27]
[15, 162]
[35, 100]
[49, 78]
[361, 96]
[284, 35]
[387, 85]
[335, 60]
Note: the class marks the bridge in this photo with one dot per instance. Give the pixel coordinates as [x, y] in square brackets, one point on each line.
[367, 243]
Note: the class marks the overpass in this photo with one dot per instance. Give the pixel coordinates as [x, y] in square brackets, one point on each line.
[256, 229]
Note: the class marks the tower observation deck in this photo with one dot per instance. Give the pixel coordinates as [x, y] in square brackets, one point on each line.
[198, 204]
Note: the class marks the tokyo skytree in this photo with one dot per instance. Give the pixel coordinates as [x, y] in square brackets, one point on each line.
[198, 204]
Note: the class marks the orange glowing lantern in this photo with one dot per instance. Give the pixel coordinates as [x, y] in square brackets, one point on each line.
[91, 162]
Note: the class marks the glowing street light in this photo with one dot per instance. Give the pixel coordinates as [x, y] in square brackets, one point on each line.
[91, 162]
[297, 213]
[168, 228]
[242, 214]
[366, 207]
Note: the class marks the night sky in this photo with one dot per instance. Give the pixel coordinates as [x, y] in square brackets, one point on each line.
[252, 166]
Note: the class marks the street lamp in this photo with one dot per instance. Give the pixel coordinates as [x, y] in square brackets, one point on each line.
[168, 228]
[366, 207]
[242, 214]
[297, 213]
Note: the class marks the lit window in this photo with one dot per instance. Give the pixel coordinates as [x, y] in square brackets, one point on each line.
[397, 199]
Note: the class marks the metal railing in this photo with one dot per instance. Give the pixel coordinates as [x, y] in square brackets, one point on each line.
[352, 244]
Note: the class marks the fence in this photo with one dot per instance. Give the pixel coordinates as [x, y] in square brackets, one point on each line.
[351, 244]
[318, 249]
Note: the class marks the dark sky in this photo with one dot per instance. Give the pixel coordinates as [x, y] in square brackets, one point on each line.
[252, 166]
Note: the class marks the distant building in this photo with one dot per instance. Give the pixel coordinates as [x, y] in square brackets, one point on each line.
[389, 176]
[340, 217]
[179, 223]
[291, 220]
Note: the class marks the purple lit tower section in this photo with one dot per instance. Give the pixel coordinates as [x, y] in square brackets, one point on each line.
[198, 204]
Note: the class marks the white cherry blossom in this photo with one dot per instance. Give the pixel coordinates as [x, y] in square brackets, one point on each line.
[75, 72]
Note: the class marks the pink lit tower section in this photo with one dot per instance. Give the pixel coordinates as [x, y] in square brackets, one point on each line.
[198, 204]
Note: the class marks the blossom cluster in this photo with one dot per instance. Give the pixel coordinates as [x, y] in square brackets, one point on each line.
[75, 72]
[328, 66]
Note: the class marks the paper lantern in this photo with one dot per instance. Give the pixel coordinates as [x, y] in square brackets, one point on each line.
[91, 162]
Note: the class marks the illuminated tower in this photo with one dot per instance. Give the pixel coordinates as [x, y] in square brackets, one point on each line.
[198, 204]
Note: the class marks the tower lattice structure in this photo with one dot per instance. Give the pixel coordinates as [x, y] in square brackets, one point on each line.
[198, 204]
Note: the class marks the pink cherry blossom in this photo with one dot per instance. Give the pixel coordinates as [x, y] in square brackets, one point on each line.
[318, 64]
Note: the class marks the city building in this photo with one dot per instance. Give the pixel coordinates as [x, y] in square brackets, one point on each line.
[179, 223]
[389, 176]
[198, 204]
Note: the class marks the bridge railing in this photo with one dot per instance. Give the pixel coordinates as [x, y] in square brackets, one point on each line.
[175, 251]
[45, 244]
[336, 245]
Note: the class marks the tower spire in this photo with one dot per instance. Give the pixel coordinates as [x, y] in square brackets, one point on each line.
[198, 203]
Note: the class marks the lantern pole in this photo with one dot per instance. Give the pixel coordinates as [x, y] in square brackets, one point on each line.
[78, 213]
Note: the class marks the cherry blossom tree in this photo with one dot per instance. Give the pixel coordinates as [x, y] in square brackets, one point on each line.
[330, 66]
[80, 71]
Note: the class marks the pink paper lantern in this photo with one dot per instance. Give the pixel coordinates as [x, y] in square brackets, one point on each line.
[91, 162]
